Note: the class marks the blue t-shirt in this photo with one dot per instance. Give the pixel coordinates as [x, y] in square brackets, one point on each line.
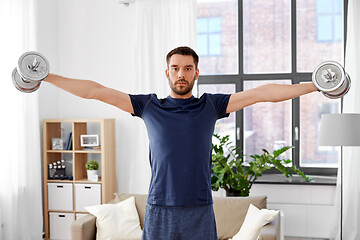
[180, 141]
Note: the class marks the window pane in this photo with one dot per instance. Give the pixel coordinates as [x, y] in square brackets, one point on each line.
[202, 44]
[324, 28]
[267, 125]
[222, 37]
[215, 44]
[202, 25]
[312, 106]
[324, 6]
[316, 21]
[224, 126]
[338, 28]
[267, 36]
[215, 24]
[338, 7]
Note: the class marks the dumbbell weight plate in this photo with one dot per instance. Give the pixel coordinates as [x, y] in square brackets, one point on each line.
[341, 91]
[328, 85]
[23, 85]
[27, 60]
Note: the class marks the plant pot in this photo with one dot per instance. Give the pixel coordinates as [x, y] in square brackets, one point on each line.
[236, 194]
[92, 174]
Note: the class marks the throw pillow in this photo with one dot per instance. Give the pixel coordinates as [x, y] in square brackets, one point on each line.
[255, 219]
[117, 221]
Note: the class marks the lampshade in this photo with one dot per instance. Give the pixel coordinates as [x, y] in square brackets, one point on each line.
[340, 130]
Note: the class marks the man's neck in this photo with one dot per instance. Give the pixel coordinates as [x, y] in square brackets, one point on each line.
[186, 96]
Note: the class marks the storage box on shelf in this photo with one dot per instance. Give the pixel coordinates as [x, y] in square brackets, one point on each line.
[65, 198]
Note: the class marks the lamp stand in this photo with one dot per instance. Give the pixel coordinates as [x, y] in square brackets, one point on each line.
[341, 192]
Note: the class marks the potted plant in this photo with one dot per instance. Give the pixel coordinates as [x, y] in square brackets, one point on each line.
[231, 173]
[92, 168]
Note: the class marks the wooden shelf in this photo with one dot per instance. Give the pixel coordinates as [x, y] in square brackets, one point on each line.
[60, 128]
[59, 181]
[59, 151]
[84, 180]
[88, 151]
[73, 151]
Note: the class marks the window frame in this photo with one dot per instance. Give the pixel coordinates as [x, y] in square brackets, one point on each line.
[294, 76]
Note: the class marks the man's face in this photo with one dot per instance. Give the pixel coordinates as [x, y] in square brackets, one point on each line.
[182, 74]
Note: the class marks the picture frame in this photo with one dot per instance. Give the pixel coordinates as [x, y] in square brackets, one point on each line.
[89, 140]
[57, 144]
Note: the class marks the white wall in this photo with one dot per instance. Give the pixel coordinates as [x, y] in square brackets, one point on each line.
[95, 40]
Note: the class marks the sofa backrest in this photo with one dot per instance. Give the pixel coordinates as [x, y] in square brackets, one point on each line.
[230, 212]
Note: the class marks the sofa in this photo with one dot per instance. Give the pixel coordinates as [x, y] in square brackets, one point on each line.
[230, 213]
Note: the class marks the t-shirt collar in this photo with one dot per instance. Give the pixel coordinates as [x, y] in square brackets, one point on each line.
[180, 100]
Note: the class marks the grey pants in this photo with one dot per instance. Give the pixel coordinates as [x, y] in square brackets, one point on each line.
[179, 223]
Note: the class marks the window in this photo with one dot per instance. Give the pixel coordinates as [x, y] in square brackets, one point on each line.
[217, 27]
[209, 36]
[271, 41]
[329, 20]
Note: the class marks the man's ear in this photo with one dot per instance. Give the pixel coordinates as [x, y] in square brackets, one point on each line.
[167, 73]
[197, 74]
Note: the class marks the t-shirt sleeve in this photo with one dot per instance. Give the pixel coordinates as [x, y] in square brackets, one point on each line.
[220, 103]
[139, 103]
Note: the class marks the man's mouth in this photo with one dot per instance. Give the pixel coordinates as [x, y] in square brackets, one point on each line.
[181, 82]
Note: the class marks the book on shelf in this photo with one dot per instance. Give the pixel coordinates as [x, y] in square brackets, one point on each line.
[95, 148]
[68, 141]
[70, 144]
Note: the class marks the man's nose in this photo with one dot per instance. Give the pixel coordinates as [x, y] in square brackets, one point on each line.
[181, 74]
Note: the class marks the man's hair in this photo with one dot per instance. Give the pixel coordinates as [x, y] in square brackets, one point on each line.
[183, 51]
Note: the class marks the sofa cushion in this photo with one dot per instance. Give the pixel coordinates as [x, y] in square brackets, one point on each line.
[117, 221]
[254, 221]
[230, 213]
[140, 203]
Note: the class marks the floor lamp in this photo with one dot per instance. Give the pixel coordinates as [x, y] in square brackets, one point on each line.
[340, 130]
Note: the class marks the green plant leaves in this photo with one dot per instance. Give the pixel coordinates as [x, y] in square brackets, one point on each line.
[92, 165]
[230, 173]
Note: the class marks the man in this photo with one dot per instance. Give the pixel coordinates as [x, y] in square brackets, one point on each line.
[180, 128]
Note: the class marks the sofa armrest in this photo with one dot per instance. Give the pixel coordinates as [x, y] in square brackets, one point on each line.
[84, 228]
[272, 230]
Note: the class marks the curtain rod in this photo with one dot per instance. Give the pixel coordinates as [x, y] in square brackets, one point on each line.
[127, 3]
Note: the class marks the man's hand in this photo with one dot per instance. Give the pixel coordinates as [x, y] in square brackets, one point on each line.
[268, 93]
[92, 90]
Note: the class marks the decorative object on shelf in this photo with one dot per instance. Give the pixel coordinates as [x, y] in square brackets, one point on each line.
[236, 177]
[89, 140]
[57, 144]
[92, 168]
[57, 169]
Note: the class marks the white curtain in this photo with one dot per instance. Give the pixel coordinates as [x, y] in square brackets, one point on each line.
[162, 26]
[351, 155]
[20, 158]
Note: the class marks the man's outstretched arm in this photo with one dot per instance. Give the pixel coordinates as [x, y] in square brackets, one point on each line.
[92, 90]
[268, 93]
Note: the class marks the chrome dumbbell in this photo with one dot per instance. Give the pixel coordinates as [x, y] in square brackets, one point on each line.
[331, 79]
[32, 68]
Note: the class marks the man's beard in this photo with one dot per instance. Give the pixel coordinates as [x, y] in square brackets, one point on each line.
[184, 89]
